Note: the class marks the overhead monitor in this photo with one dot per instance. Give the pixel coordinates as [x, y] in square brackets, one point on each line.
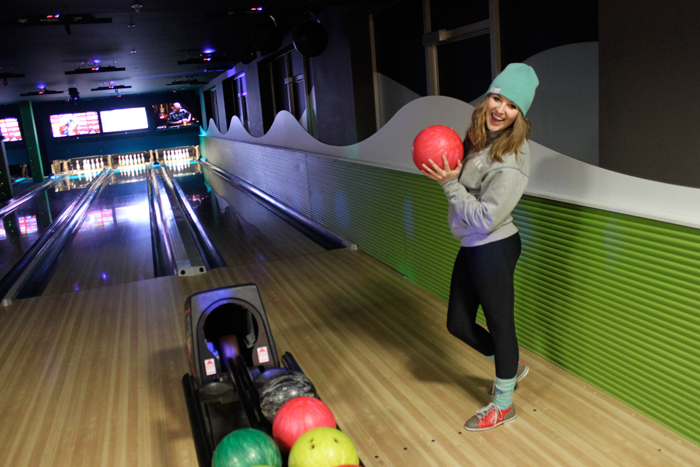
[124, 119]
[10, 129]
[178, 114]
[74, 124]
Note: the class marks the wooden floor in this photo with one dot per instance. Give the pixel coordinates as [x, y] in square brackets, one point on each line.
[92, 378]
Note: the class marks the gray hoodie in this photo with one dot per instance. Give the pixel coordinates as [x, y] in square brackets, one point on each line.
[484, 195]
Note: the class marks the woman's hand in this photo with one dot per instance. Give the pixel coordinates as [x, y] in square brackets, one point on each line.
[442, 174]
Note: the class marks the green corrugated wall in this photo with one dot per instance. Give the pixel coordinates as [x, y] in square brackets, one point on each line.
[611, 298]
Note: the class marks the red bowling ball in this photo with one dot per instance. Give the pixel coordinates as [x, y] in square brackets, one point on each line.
[434, 142]
[298, 416]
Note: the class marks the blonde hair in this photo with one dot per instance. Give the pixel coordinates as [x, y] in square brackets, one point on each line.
[510, 140]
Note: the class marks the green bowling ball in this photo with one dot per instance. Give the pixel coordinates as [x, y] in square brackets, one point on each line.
[247, 447]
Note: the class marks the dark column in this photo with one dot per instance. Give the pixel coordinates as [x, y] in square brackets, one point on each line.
[11, 224]
[5, 179]
[32, 141]
[649, 104]
[43, 212]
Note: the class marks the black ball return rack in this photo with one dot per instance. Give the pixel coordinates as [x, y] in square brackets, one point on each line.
[231, 354]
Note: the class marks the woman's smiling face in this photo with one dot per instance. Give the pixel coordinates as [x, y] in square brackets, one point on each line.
[500, 112]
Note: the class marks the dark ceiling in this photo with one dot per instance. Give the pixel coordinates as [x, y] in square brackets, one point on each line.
[147, 43]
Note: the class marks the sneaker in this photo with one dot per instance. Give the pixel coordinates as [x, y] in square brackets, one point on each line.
[522, 372]
[490, 417]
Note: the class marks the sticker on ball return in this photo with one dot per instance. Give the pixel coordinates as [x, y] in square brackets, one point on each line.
[434, 142]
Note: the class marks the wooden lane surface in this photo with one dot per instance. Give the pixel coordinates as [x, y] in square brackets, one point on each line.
[93, 378]
[109, 253]
[244, 231]
[104, 256]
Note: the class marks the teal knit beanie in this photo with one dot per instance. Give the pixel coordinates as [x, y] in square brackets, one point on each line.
[518, 83]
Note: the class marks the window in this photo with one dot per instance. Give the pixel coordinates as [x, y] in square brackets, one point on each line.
[462, 47]
[240, 98]
[235, 99]
[215, 108]
[208, 106]
[288, 76]
[465, 67]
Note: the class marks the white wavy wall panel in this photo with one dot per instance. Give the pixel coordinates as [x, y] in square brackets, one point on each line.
[553, 175]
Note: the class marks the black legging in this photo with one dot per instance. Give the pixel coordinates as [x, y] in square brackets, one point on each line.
[483, 275]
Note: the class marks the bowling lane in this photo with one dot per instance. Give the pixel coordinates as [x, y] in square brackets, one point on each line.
[113, 246]
[21, 186]
[22, 227]
[240, 227]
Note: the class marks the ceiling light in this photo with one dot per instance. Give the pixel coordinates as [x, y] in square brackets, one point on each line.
[6, 75]
[190, 82]
[94, 69]
[204, 58]
[41, 92]
[108, 88]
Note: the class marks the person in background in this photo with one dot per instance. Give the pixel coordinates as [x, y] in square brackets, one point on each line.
[482, 192]
[68, 128]
[179, 116]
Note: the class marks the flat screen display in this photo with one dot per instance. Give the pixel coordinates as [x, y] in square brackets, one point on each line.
[10, 129]
[124, 119]
[84, 123]
[178, 114]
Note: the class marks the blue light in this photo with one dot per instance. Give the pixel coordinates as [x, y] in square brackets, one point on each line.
[104, 276]
[209, 51]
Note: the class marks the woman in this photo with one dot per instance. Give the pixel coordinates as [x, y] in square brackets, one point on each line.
[481, 199]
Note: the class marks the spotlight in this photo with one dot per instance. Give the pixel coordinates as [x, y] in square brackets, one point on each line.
[310, 38]
[267, 37]
[248, 57]
[74, 94]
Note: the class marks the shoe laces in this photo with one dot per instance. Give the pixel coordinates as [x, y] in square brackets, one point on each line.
[484, 411]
